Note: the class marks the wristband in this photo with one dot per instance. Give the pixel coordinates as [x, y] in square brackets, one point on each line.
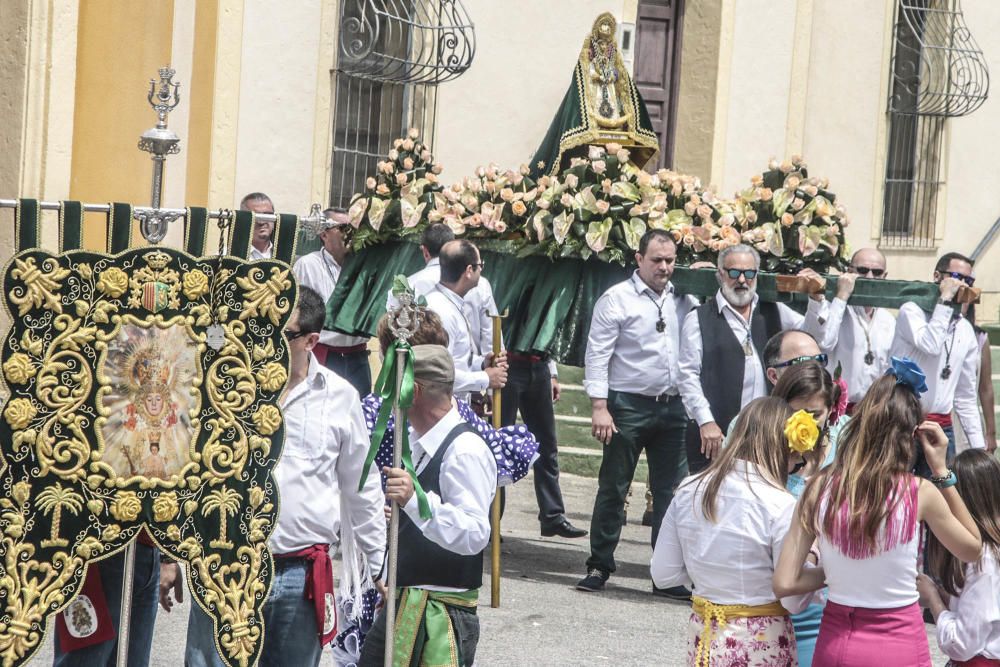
[945, 481]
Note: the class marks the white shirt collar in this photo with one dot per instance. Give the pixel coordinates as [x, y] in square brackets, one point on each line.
[432, 439]
[641, 287]
[451, 295]
[314, 380]
[333, 260]
[433, 261]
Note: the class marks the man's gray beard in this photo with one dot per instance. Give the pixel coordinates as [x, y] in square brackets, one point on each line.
[738, 299]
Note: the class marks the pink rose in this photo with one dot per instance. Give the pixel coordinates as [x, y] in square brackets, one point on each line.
[401, 179]
[436, 169]
[756, 180]
[408, 163]
[431, 178]
[602, 206]
[705, 211]
[572, 181]
[413, 133]
[517, 179]
[613, 147]
[676, 189]
[606, 186]
[766, 194]
[690, 208]
[507, 194]
[518, 208]
[622, 155]
[386, 167]
[382, 189]
[595, 152]
[566, 200]
[397, 143]
[500, 227]
[393, 154]
[599, 166]
[370, 183]
[727, 220]
[524, 170]
[544, 182]
[751, 217]
[787, 220]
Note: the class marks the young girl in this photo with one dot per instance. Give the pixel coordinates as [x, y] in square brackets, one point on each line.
[968, 627]
[723, 532]
[864, 509]
[809, 387]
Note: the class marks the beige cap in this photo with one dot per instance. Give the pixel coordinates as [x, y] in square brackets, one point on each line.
[433, 363]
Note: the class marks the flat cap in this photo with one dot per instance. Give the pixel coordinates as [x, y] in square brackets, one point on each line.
[433, 363]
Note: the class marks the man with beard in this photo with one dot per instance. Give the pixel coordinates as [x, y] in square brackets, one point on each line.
[724, 335]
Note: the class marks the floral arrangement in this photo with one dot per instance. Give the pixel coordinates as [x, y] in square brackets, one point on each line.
[397, 198]
[792, 219]
[601, 206]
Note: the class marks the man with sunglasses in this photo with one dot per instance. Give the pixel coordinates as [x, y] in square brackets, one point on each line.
[461, 268]
[347, 356]
[944, 345]
[722, 344]
[790, 348]
[326, 444]
[858, 338]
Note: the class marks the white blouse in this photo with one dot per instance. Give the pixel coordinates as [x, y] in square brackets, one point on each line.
[971, 626]
[730, 561]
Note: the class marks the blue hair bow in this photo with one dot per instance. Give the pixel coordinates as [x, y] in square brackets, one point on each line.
[908, 373]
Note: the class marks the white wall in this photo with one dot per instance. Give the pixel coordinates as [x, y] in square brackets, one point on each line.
[278, 89]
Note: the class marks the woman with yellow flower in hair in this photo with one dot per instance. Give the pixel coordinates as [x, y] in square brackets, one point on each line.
[723, 533]
[809, 389]
[863, 511]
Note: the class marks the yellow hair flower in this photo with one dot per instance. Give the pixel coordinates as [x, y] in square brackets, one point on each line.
[802, 432]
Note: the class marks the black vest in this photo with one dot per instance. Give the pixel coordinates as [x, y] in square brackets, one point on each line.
[723, 359]
[422, 562]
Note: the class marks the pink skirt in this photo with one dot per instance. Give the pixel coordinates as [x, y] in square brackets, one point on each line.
[860, 637]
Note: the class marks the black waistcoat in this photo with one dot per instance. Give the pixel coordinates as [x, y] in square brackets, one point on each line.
[723, 359]
[422, 562]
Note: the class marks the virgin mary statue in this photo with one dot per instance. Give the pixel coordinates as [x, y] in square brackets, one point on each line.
[601, 106]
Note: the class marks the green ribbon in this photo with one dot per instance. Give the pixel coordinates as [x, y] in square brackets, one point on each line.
[385, 388]
[419, 606]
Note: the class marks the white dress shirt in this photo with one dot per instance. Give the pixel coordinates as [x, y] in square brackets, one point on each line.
[469, 373]
[479, 303]
[847, 335]
[730, 561]
[971, 626]
[320, 271]
[261, 254]
[625, 352]
[754, 380]
[934, 343]
[326, 442]
[460, 521]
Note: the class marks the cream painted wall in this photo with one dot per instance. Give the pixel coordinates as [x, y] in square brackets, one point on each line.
[277, 117]
[759, 78]
[500, 109]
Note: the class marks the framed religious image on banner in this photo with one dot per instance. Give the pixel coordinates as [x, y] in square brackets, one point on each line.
[143, 399]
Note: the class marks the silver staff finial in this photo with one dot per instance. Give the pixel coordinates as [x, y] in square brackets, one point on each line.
[159, 142]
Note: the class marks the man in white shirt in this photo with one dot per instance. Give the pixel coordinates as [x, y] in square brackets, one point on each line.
[326, 443]
[461, 268]
[858, 338]
[721, 338]
[261, 245]
[480, 305]
[631, 378]
[347, 356]
[944, 345]
[440, 567]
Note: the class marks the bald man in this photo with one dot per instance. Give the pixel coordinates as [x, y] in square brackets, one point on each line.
[788, 348]
[858, 338]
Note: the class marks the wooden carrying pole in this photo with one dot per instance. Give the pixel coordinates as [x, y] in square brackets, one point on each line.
[495, 507]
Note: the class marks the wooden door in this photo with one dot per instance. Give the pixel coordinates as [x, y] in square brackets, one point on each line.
[657, 66]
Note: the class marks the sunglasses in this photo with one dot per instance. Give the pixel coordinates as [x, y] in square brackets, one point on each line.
[865, 270]
[291, 334]
[735, 274]
[481, 265]
[818, 358]
[968, 280]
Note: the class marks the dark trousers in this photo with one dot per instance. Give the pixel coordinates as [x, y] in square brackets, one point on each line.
[464, 622]
[692, 442]
[642, 424]
[529, 390]
[354, 368]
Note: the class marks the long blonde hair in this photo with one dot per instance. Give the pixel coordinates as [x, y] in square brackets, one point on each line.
[869, 479]
[758, 437]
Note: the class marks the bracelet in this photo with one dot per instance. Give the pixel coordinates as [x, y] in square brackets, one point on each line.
[945, 481]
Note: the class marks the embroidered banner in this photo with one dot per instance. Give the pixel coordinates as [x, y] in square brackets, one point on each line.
[144, 390]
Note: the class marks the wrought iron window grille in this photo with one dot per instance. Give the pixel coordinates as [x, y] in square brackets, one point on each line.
[938, 72]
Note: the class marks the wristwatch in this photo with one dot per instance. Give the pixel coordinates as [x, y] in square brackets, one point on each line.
[945, 481]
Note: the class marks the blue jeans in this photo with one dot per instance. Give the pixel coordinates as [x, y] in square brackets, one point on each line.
[145, 595]
[290, 633]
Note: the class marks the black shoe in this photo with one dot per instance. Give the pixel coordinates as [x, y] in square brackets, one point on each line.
[647, 518]
[594, 581]
[678, 593]
[563, 529]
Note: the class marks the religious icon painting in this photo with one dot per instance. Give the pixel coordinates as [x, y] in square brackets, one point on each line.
[143, 398]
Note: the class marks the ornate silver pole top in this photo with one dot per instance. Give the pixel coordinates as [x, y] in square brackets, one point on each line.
[159, 142]
[404, 320]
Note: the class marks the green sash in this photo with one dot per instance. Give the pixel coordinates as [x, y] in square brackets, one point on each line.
[418, 608]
